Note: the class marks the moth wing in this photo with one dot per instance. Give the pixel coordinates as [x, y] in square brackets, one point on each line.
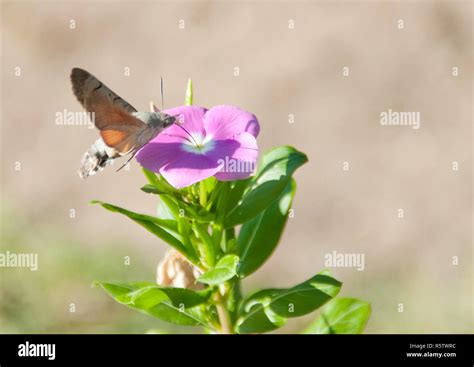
[123, 138]
[106, 115]
[107, 108]
[91, 92]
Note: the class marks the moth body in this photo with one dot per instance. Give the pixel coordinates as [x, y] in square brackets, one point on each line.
[96, 158]
[123, 129]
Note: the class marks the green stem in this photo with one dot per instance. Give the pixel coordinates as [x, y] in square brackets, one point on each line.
[202, 194]
[234, 298]
[228, 296]
[217, 232]
[206, 246]
[223, 313]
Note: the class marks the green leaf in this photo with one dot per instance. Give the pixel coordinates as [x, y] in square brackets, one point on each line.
[268, 309]
[169, 207]
[233, 195]
[210, 183]
[225, 269]
[163, 211]
[189, 94]
[206, 247]
[147, 295]
[151, 189]
[341, 316]
[151, 177]
[180, 209]
[214, 193]
[162, 228]
[175, 305]
[259, 237]
[165, 223]
[157, 184]
[272, 177]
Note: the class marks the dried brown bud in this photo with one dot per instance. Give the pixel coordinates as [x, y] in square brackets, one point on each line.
[176, 271]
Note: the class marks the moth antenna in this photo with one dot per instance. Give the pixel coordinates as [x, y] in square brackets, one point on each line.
[162, 94]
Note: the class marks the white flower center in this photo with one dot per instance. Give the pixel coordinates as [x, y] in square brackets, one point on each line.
[198, 144]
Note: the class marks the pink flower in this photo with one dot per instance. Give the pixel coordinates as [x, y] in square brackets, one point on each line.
[222, 144]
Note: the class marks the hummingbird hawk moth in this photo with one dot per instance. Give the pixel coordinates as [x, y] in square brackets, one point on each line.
[123, 129]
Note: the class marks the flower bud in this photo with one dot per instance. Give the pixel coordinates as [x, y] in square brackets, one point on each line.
[176, 271]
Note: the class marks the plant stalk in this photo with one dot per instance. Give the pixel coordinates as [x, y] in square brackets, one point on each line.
[223, 313]
[202, 194]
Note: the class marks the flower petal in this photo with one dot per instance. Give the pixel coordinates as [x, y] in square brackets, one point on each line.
[232, 152]
[190, 117]
[189, 168]
[161, 150]
[237, 155]
[224, 121]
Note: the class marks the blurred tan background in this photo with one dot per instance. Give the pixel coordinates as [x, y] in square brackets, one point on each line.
[283, 71]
